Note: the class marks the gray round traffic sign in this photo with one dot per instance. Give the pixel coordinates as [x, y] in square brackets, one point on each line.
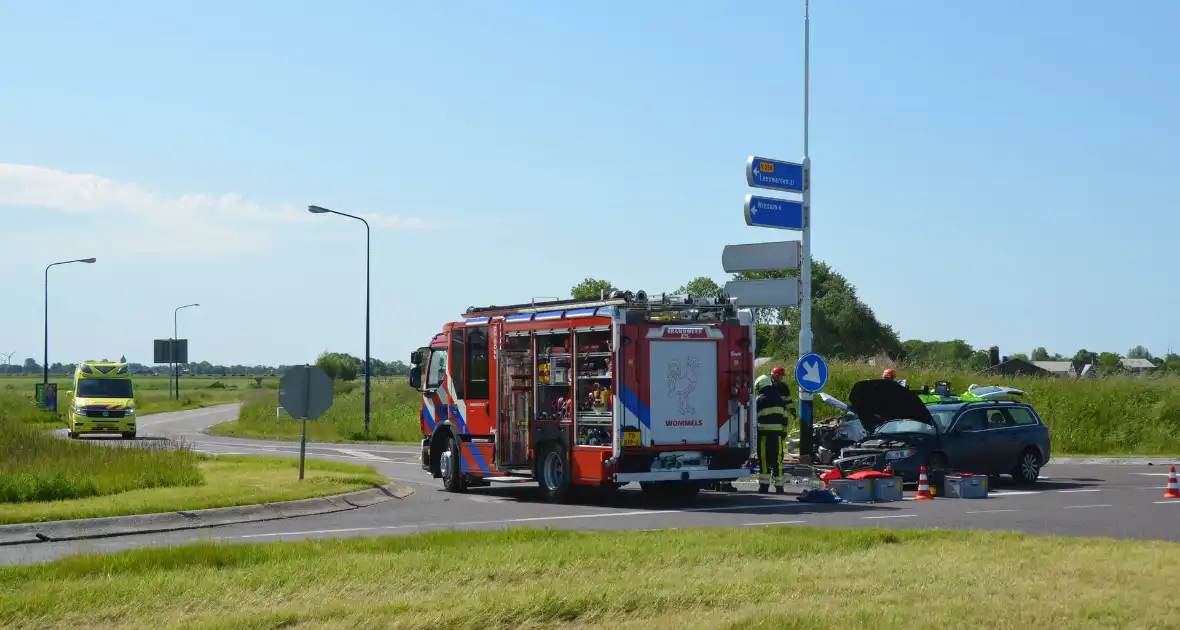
[305, 391]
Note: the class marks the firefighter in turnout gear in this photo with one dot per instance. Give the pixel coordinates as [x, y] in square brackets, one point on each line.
[774, 403]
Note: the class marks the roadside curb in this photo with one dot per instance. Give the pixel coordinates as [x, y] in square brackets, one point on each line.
[1115, 461]
[113, 526]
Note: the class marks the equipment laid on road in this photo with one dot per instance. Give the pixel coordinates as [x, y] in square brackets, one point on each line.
[1173, 491]
[599, 393]
[104, 400]
[853, 490]
[965, 486]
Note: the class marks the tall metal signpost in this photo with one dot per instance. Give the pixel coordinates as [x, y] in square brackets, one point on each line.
[811, 371]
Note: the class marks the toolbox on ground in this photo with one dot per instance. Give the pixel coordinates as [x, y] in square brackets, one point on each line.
[887, 489]
[854, 490]
[965, 487]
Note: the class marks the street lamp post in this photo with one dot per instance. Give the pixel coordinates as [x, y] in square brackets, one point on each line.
[45, 359]
[175, 336]
[368, 359]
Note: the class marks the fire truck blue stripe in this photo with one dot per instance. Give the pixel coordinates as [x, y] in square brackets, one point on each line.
[475, 321]
[636, 406]
[522, 317]
[477, 455]
[580, 312]
[427, 415]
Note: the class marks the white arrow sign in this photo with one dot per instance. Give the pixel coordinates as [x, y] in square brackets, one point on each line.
[811, 372]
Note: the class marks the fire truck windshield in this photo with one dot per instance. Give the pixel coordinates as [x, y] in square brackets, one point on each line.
[436, 372]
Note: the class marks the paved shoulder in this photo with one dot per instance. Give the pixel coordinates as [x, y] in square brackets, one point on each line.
[81, 529]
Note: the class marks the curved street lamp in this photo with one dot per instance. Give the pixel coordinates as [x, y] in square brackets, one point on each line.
[368, 359]
[45, 359]
[175, 365]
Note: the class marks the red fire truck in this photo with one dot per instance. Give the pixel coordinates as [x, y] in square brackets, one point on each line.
[602, 393]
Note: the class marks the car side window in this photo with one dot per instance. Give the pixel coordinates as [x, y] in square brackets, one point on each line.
[996, 419]
[1021, 417]
[971, 421]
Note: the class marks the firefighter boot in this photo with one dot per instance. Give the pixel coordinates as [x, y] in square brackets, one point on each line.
[763, 488]
[779, 489]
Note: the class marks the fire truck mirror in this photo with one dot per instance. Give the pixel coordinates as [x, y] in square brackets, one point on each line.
[416, 377]
[416, 357]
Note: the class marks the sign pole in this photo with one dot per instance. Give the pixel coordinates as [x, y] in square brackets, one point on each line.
[805, 398]
[303, 433]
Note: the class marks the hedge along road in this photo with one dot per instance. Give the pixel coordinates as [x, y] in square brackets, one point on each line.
[1123, 501]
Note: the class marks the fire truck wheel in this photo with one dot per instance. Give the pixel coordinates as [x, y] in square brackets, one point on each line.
[449, 462]
[554, 473]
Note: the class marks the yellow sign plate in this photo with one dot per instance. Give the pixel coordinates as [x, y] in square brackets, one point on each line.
[632, 439]
[766, 167]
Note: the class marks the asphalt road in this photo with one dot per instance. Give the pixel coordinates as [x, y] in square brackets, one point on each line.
[1123, 501]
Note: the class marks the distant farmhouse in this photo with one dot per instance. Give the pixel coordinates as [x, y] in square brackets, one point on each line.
[1013, 366]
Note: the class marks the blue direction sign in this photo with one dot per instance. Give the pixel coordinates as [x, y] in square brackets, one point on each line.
[774, 174]
[811, 372]
[768, 212]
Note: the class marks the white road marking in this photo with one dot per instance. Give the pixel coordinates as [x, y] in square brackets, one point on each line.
[1012, 493]
[1076, 507]
[1152, 474]
[360, 454]
[988, 511]
[1172, 501]
[773, 523]
[889, 516]
[1082, 490]
[531, 519]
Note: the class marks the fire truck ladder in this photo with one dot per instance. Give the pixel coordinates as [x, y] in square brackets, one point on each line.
[625, 299]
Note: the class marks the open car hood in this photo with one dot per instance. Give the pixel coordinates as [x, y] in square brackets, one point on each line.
[877, 401]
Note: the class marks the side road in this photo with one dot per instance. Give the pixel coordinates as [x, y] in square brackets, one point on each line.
[81, 529]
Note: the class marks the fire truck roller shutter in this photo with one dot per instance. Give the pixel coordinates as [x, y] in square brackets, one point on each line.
[683, 392]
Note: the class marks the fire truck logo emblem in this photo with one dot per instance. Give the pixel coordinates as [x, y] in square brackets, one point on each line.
[681, 384]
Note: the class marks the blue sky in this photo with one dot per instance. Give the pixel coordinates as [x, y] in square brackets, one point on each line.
[1000, 172]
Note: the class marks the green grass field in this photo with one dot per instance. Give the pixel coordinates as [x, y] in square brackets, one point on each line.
[46, 478]
[393, 408]
[1117, 415]
[772, 577]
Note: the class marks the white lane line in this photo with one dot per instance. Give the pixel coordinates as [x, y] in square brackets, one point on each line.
[1172, 501]
[773, 523]
[1082, 490]
[531, 519]
[360, 454]
[1078, 507]
[988, 511]
[1152, 474]
[889, 516]
[1012, 493]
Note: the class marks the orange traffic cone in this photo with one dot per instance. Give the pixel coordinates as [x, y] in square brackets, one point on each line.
[1173, 491]
[923, 486]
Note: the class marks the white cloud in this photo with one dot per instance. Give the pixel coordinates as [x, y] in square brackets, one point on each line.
[150, 221]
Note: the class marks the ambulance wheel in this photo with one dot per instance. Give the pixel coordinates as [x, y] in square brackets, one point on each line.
[554, 474]
[449, 462]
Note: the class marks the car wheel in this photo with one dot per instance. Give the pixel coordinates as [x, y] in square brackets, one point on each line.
[450, 464]
[555, 475]
[1028, 468]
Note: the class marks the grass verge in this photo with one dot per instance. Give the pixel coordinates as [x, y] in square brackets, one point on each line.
[228, 480]
[394, 417]
[44, 478]
[715, 578]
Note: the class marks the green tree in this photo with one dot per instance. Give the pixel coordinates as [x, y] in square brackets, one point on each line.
[1020, 355]
[701, 286]
[591, 289]
[339, 366]
[1040, 354]
[842, 325]
[1139, 352]
[1110, 362]
[1085, 356]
